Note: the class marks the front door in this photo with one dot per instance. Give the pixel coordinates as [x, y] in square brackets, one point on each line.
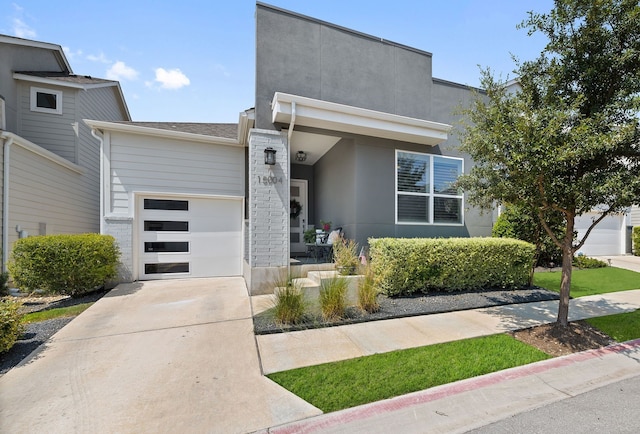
[298, 193]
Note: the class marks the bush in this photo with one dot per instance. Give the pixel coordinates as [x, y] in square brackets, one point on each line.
[345, 256]
[404, 266]
[333, 297]
[64, 264]
[368, 292]
[10, 324]
[4, 288]
[636, 240]
[516, 222]
[582, 261]
[289, 302]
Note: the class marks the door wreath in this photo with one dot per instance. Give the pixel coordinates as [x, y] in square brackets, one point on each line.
[295, 208]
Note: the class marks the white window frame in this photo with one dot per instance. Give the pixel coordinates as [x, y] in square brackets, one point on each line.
[430, 194]
[34, 100]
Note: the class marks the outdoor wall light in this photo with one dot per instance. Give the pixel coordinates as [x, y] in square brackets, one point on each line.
[301, 156]
[270, 156]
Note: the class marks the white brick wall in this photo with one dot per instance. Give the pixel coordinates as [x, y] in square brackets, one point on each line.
[121, 228]
[268, 200]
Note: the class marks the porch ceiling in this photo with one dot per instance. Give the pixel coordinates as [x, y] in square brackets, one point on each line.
[309, 112]
[313, 145]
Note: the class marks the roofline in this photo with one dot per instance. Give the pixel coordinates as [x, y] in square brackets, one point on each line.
[460, 85]
[159, 132]
[62, 59]
[344, 29]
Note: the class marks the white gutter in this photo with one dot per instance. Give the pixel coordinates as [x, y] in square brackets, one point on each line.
[99, 138]
[5, 201]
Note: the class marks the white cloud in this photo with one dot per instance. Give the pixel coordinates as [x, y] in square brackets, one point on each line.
[70, 53]
[120, 71]
[171, 79]
[98, 58]
[22, 30]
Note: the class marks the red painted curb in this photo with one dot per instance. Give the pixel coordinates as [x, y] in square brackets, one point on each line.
[389, 405]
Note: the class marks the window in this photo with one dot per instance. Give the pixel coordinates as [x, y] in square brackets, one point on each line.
[165, 226]
[46, 100]
[170, 267]
[166, 204]
[424, 191]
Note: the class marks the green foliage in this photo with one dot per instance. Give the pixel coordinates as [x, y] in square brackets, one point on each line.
[333, 298]
[582, 261]
[309, 236]
[339, 385]
[289, 301]
[10, 324]
[636, 240]
[405, 266]
[64, 264]
[4, 288]
[591, 282]
[367, 291]
[523, 224]
[60, 312]
[622, 327]
[345, 256]
[565, 140]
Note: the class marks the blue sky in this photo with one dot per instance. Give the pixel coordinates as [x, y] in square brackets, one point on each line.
[193, 60]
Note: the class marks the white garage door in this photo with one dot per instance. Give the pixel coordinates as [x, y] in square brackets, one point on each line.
[188, 237]
[605, 239]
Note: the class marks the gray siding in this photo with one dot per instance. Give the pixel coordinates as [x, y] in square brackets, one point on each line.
[152, 164]
[54, 132]
[20, 58]
[318, 60]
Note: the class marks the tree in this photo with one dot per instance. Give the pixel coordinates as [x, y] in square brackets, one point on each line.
[567, 139]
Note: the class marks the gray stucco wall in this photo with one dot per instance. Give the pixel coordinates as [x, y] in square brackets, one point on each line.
[306, 57]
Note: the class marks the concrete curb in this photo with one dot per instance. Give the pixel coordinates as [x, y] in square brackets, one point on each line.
[389, 410]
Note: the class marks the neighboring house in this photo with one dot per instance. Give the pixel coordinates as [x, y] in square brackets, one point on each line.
[50, 162]
[361, 135]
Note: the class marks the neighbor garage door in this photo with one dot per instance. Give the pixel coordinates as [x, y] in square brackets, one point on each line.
[606, 238]
[189, 237]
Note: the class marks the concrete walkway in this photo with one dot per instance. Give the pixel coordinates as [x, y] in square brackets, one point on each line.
[153, 357]
[284, 351]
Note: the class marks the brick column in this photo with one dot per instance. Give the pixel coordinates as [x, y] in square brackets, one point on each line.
[268, 209]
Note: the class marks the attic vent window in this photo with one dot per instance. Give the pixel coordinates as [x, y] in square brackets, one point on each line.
[46, 100]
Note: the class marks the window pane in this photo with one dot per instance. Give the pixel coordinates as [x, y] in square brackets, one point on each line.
[445, 173]
[413, 209]
[166, 226]
[46, 100]
[166, 246]
[170, 205]
[413, 172]
[447, 210]
[170, 267]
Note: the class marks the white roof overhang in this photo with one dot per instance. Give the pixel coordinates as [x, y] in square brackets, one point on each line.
[331, 116]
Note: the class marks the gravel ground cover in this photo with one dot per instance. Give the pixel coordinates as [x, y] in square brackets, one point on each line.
[397, 307]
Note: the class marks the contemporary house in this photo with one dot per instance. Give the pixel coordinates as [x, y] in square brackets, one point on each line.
[50, 161]
[351, 126]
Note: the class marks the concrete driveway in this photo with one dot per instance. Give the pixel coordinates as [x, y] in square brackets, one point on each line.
[161, 356]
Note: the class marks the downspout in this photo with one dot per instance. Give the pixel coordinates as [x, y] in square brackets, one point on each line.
[292, 124]
[99, 138]
[5, 200]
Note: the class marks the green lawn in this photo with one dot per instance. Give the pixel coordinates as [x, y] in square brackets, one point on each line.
[55, 313]
[592, 281]
[334, 386]
[621, 327]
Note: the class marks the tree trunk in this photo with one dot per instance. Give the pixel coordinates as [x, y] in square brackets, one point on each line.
[567, 268]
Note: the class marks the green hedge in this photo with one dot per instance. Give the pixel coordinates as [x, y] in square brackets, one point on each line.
[405, 266]
[636, 240]
[64, 264]
[10, 324]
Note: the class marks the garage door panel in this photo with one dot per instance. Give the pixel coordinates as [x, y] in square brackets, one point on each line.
[213, 239]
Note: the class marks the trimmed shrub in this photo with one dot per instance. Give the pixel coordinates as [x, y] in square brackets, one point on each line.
[405, 266]
[636, 240]
[582, 261]
[10, 324]
[517, 222]
[333, 297]
[64, 264]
